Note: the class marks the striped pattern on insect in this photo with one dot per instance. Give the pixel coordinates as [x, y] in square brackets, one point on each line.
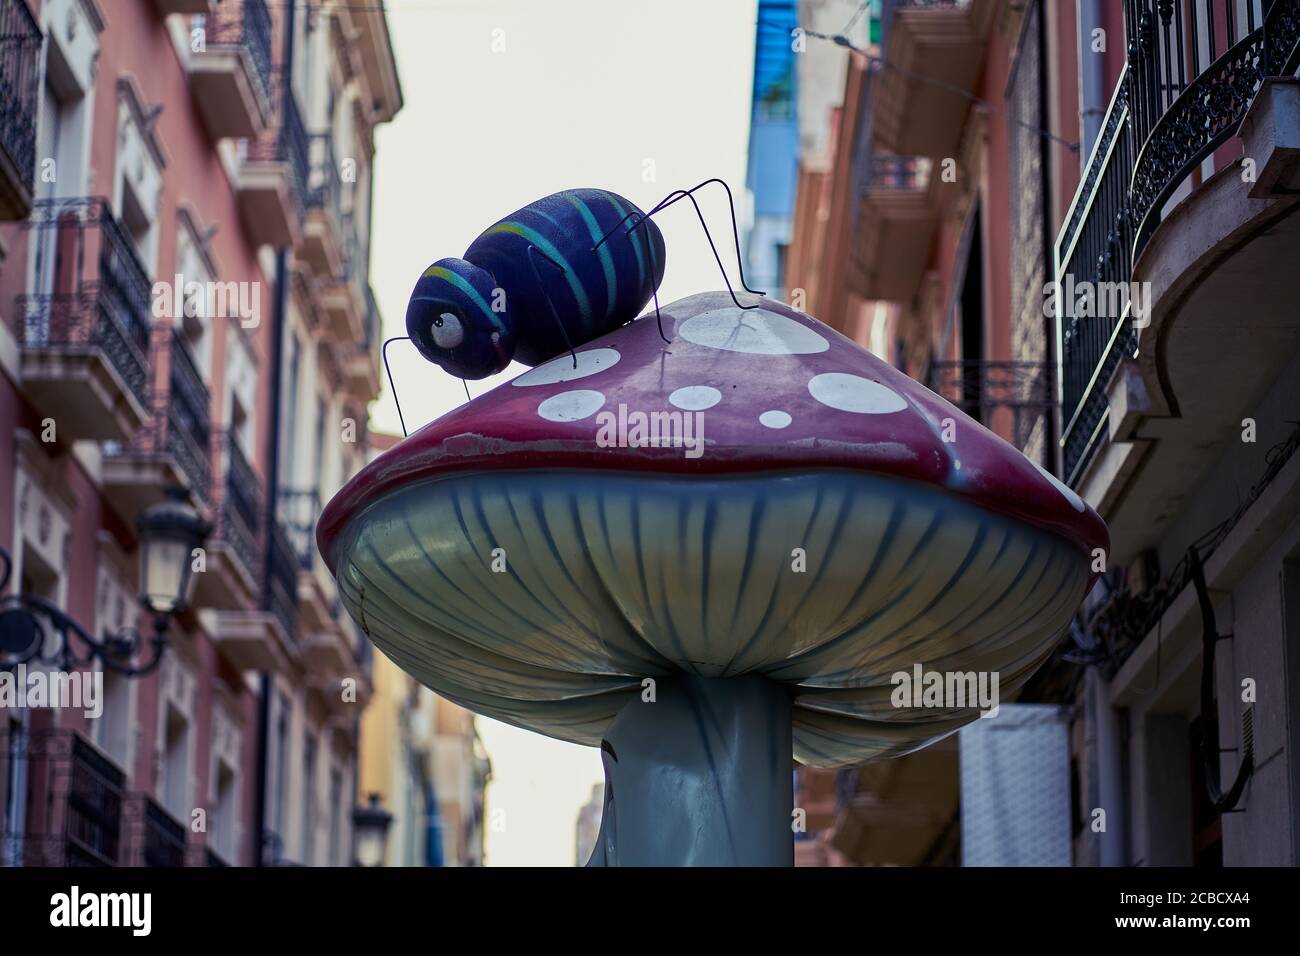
[547, 278]
[533, 285]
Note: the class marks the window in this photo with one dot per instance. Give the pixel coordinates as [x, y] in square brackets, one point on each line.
[112, 732]
[175, 787]
[221, 825]
[280, 804]
[309, 802]
[193, 265]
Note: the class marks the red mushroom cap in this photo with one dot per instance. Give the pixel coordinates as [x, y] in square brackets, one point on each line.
[778, 390]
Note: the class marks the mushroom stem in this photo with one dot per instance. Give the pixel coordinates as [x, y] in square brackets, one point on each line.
[699, 772]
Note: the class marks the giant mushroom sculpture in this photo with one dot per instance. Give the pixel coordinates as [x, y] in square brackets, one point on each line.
[703, 612]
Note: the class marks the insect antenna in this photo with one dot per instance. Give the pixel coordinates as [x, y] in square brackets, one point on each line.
[383, 351]
[468, 396]
[532, 264]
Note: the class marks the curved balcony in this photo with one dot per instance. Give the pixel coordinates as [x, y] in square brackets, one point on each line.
[230, 76]
[85, 326]
[20, 54]
[935, 49]
[322, 234]
[172, 448]
[1161, 261]
[892, 246]
[362, 365]
[274, 173]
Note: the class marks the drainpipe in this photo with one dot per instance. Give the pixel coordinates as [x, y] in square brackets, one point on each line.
[273, 472]
[1092, 77]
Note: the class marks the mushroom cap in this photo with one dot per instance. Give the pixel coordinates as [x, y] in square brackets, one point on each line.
[840, 523]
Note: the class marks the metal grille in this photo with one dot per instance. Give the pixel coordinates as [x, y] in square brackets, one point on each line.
[90, 288]
[20, 52]
[1193, 70]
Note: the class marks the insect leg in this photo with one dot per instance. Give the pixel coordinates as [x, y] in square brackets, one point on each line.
[735, 229]
[383, 351]
[687, 195]
[532, 264]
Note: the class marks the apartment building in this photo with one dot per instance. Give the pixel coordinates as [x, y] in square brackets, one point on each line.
[1071, 220]
[184, 303]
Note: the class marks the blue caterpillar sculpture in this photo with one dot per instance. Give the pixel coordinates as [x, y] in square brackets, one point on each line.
[547, 278]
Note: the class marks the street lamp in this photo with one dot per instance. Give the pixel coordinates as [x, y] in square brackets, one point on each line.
[169, 532]
[370, 832]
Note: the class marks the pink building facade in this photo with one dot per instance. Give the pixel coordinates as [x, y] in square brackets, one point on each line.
[184, 302]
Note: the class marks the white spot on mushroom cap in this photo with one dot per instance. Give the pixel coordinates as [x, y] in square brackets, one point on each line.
[756, 331]
[561, 369]
[774, 419]
[1066, 491]
[695, 398]
[853, 393]
[571, 406]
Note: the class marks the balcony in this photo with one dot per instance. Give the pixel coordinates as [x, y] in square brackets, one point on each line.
[1146, 213]
[343, 295]
[936, 49]
[173, 448]
[156, 837]
[896, 224]
[78, 821]
[362, 366]
[1014, 399]
[274, 172]
[322, 236]
[230, 78]
[85, 331]
[280, 589]
[20, 55]
[234, 554]
[249, 615]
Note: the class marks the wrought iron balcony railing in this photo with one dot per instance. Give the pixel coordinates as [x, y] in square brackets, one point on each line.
[238, 505]
[980, 388]
[1193, 70]
[163, 836]
[180, 426]
[246, 25]
[285, 139]
[20, 52]
[90, 289]
[188, 407]
[326, 182]
[281, 596]
[84, 801]
[94, 808]
[890, 172]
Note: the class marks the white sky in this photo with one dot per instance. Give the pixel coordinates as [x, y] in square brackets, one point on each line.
[586, 93]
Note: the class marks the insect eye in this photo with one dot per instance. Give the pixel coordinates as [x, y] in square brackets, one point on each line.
[447, 331]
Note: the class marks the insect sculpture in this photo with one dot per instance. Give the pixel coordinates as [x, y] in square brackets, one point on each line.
[547, 278]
